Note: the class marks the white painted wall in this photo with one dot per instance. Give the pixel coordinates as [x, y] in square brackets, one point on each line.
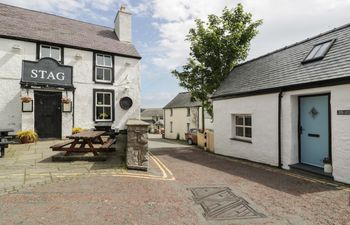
[264, 146]
[127, 83]
[180, 120]
[10, 76]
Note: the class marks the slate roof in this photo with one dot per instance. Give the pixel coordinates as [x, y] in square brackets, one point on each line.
[283, 68]
[151, 112]
[182, 100]
[19, 23]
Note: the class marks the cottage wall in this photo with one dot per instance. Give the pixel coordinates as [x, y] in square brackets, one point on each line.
[264, 112]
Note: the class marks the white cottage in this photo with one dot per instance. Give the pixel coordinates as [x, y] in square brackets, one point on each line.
[46, 58]
[183, 113]
[291, 107]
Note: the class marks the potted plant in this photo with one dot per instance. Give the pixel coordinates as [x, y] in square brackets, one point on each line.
[66, 100]
[103, 116]
[76, 130]
[27, 136]
[327, 165]
[26, 99]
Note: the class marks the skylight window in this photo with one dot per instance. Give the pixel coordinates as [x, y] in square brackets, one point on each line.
[319, 51]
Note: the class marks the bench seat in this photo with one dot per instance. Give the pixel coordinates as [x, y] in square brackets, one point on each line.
[60, 145]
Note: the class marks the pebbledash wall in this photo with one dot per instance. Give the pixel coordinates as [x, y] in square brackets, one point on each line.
[264, 114]
[126, 83]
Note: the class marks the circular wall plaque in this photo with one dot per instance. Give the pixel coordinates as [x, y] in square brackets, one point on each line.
[125, 103]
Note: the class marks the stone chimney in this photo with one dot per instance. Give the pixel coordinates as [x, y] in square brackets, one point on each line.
[122, 24]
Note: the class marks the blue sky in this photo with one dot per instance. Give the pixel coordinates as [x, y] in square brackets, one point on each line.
[160, 27]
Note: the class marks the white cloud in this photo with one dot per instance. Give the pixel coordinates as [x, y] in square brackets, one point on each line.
[285, 22]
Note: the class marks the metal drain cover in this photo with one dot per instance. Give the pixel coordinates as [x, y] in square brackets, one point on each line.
[219, 203]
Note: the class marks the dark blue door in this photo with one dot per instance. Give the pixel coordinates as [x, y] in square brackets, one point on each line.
[314, 129]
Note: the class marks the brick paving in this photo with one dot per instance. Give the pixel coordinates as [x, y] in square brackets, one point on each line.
[282, 197]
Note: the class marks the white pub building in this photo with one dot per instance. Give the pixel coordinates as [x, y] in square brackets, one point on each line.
[58, 73]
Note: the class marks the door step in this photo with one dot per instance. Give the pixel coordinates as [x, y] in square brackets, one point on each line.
[310, 170]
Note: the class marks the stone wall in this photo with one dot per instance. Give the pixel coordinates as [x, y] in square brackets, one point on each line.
[137, 151]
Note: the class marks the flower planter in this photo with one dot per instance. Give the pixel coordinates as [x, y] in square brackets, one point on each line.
[328, 168]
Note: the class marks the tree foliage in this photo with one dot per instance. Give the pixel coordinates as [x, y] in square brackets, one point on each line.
[217, 46]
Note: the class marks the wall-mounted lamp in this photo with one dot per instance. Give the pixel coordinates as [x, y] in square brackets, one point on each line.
[78, 56]
[16, 47]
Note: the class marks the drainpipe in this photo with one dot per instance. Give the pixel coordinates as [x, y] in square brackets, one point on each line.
[73, 107]
[280, 95]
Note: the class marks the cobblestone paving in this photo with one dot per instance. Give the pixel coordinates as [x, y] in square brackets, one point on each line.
[165, 197]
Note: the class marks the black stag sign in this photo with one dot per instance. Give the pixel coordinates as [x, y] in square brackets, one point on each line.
[46, 71]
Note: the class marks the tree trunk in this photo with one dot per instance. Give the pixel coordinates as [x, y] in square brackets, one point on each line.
[203, 119]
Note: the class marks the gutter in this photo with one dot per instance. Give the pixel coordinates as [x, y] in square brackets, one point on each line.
[280, 96]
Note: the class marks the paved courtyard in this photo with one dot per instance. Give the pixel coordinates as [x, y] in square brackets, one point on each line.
[184, 186]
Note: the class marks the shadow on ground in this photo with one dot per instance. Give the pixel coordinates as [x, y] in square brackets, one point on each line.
[114, 159]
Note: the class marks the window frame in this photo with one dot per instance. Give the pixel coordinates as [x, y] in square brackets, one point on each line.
[188, 112]
[188, 126]
[171, 126]
[112, 104]
[171, 112]
[243, 126]
[61, 52]
[103, 67]
[321, 56]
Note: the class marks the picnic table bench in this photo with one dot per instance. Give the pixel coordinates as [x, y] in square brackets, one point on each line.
[4, 140]
[85, 141]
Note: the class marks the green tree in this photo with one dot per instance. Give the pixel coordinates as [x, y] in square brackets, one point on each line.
[217, 46]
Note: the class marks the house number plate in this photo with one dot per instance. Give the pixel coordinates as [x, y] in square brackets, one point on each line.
[343, 112]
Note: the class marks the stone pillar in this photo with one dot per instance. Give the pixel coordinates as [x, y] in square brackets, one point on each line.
[137, 150]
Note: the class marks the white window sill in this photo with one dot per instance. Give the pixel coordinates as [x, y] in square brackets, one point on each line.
[241, 140]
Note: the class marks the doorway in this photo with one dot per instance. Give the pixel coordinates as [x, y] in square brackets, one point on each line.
[48, 116]
[314, 129]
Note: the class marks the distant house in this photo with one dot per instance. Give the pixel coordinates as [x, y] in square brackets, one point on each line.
[291, 107]
[183, 113]
[153, 116]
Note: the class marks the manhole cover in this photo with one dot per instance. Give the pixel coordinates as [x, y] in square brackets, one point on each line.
[219, 203]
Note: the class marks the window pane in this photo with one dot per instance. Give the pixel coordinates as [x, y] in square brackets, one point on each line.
[107, 74]
[107, 99]
[45, 51]
[99, 113]
[108, 61]
[248, 132]
[239, 131]
[313, 52]
[99, 99]
[99, 60]
[322, 50]
[107, 113]
[99, 73]
[239, 120]
[248, 121]
[55, 53]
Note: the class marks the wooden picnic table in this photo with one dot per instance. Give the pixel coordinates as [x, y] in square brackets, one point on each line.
[4, 140]
[85, 141]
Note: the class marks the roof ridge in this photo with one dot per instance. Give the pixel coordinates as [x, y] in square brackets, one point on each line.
[295, 44]
[51, 14]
